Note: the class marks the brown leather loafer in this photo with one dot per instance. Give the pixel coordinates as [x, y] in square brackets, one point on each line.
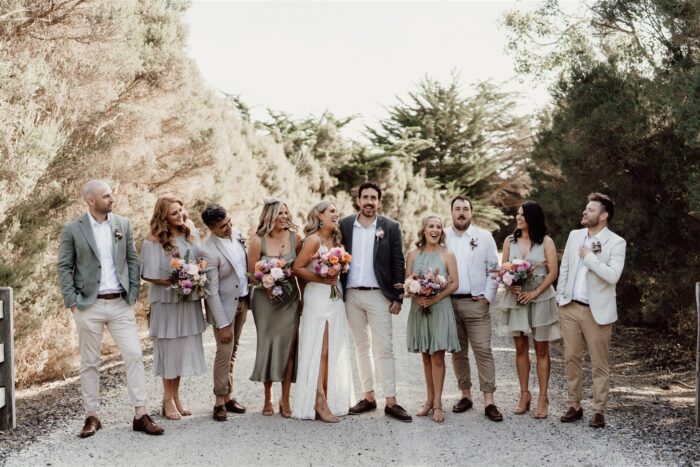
[397, 412]
[147, 425]
[234, 406]
[92, 424]
[597, 421]
[363, 406]
[219, 413]
[492, 413]
[571, 415]
[462, 405]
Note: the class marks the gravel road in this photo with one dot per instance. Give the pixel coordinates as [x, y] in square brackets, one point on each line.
[369, 439]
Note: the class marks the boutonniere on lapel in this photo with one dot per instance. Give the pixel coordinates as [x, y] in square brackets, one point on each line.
[241, 240]
[118, 234]
[474, 243]
[596, 247]
[379, 234]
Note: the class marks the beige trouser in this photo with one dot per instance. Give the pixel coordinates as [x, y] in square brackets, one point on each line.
[119, 318]
[578, 326]
[369, 310]
[474, 328]
[225, 359]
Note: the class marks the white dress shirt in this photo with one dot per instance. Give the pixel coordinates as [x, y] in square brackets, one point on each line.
[580, 285]
[235, 249]
[361, 272]
[109, 280]
[460, 245]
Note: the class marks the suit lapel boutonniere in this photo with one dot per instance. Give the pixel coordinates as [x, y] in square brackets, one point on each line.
[379, 234]
[118, 234]
[474, 243]
[596, 247]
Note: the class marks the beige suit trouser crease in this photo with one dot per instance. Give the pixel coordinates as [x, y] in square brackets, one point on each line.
[474, 329]
[225, 359]
[368, 311]
[119, 318]
[578, 328]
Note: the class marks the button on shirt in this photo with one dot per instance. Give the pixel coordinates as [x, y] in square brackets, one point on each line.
[237, 252]
[460, 245]
[109, 280]
[361, 272]
[580, 285]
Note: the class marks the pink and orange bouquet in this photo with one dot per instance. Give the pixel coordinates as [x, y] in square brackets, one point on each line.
[275, 277]
[331, 262]
[187, 276]
[516, 272]
[426, 284]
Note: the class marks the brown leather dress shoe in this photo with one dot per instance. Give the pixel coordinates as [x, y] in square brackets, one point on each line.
[492, 413]
[363, 406]
[397, 412]
[147, 425]
[219, 413]
[597, 421]
[92, 424]
[234, 406]
[571, 415]
[462, 405]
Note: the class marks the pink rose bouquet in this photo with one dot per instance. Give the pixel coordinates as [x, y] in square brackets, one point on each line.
[187, 276]
[426, 284]
[275, 277]
[512, 273]
[331, 262]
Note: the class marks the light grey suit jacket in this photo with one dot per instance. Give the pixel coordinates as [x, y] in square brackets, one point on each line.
[604, 270]
[79, 268]
[223, 285]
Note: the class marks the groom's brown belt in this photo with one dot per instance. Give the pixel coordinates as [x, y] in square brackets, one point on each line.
[460, 296]
[364, 288]
[110, 296]
[581, 303]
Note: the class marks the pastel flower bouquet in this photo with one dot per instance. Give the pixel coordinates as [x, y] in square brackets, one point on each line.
[187, 276]
[427, 283]
[517, 272]
[331, 262]
[275, 277]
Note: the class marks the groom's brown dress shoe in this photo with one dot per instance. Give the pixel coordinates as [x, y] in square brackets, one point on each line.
[398, 412]
[491, 411]
[219, 413]
[363, 406]
[234, 406]
[92, 424]
[147, 425]
[462, 405]
[597, 421]
[571, 415]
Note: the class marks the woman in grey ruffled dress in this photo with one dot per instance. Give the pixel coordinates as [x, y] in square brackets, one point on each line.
[176, 323]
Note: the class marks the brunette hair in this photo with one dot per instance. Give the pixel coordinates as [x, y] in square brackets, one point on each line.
[368, 185]
[606, 201]
[213, 214]
[461, 198]
[159, 222]
[313, 223]
[534, 216]
[422, 241]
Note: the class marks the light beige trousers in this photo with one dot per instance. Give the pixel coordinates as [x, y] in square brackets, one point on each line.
[474, 328]
[119, 318]
[225, 359]
[368, 311]
[578, 328]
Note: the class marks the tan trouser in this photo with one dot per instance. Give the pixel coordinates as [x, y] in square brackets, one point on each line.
[578, 326]
[225, 359]
[369, 310]
[474, 328]
[119, 318]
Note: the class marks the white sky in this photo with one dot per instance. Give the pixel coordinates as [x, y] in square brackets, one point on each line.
[349, 57]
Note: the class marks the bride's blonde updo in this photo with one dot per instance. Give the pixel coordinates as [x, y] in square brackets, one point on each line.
[313, 223]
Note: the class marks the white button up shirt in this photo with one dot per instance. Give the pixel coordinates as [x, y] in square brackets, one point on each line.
[109, 280]
[580, 285]
[237, 252]
[460, 245]
[361, 272]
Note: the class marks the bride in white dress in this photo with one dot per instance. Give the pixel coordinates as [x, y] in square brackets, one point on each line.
[324, 374]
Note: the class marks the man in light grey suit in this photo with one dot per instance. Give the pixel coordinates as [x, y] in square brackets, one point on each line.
[227, 301]
[590, 268]
[98, 274]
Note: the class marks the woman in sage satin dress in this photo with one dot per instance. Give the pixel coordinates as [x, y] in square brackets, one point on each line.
[276, 321]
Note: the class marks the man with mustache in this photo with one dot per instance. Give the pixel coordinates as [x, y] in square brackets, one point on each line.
[370, 296]
[475, 250]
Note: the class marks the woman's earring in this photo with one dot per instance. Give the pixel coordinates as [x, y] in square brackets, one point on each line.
[320, 224]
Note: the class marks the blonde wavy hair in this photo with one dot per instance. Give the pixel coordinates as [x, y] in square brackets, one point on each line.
[313, 223]
[271, 209]
[422, 241]
[159, 222]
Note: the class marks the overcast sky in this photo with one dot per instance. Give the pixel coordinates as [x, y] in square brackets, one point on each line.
[349, 57]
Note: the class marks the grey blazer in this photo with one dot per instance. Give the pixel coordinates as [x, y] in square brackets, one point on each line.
[79, 261]
[223, 284]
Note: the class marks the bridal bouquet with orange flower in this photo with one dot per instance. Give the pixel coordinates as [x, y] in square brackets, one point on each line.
[187, 276]
[275, 277]
[331, 262]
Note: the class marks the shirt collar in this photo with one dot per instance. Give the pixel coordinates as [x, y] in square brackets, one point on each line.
[599, 235]
[471, 230]
[373, 224]
[94, 223]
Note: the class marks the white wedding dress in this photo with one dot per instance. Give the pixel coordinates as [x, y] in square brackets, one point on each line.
[319, 309]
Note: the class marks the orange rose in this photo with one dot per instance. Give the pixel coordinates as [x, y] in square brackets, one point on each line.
[282, 263]
[174, 263]
[508, 266]
[427, 291]
[333, 259]
[347, 258]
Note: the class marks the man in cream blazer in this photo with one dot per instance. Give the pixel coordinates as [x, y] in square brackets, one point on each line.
[592, 264]
[227, 308]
